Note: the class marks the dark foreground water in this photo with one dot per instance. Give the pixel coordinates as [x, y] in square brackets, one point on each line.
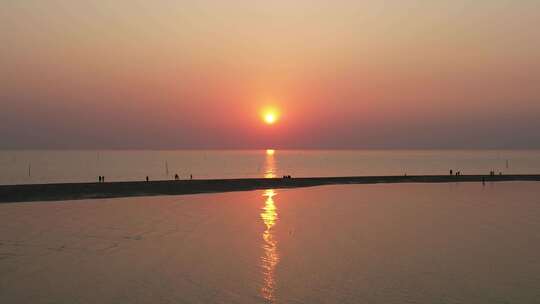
[443, 243]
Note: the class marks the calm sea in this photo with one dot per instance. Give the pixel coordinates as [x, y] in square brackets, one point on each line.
[33, 166]
[408, 243]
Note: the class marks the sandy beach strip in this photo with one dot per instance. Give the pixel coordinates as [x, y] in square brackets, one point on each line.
[75, 191]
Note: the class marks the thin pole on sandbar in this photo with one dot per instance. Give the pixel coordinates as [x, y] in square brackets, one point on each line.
[29, 169]
[166, 168]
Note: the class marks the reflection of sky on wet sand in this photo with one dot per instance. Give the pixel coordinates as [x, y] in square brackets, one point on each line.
[270, 257]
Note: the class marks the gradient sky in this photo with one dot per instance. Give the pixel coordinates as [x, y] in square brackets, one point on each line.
[344, 74]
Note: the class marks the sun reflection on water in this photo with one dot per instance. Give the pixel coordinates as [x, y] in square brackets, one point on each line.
[270, 164]
[271, 257]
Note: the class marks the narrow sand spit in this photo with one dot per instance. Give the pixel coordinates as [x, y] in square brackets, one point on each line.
[73, 191]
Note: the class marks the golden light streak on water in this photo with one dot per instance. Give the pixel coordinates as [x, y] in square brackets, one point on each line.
[270, 164]
[270, 258]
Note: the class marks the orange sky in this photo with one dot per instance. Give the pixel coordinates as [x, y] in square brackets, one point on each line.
[344, 74]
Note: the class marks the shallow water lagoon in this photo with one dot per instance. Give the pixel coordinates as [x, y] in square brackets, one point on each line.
[443, 243]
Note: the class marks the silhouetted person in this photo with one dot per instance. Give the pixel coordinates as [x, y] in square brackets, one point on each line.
[99, 178]
[451, 172]
[176, 177]
[103, 178]
[147, 178]
[191, 176]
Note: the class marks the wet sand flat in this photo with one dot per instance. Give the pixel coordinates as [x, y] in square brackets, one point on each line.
[74, 191]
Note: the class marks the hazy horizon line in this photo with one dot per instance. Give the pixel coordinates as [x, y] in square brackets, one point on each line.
[282, 149]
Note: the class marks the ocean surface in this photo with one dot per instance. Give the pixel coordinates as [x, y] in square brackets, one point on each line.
[414, 243]
[33, 166]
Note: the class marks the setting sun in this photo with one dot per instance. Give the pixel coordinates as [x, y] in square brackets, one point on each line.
[270, 116]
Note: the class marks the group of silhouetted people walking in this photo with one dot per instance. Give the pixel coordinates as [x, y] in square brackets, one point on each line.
[101, 178]
[176, 177]
[457, 173]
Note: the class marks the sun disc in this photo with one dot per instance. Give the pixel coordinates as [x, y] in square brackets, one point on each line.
[270, 118]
